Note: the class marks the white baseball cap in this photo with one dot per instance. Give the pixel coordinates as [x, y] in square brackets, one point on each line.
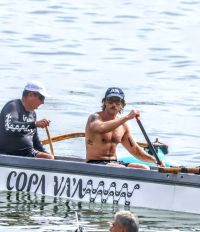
[36, 86]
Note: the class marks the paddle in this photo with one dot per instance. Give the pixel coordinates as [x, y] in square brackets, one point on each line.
[50, 141]
[80, 228]
[151, 147]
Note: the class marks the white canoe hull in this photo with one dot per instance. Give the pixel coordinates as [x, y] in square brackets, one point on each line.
[101, 184]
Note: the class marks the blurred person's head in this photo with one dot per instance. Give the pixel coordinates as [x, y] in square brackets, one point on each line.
[125, 221]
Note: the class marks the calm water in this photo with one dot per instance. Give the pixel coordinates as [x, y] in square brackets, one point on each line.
[79, 49]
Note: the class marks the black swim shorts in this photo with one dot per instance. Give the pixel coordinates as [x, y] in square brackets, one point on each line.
[105, 162]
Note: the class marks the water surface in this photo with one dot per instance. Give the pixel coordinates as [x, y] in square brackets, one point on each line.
[79, 49]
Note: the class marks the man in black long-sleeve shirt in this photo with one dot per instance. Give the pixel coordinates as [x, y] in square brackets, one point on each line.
[18, 124]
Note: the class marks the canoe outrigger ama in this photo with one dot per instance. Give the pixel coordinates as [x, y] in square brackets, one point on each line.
[73, 178]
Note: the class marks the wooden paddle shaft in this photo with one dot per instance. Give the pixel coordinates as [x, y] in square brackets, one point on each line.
[179, 170]
[50, 141]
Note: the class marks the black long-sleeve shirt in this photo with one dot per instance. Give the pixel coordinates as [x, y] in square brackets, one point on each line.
[18, 133]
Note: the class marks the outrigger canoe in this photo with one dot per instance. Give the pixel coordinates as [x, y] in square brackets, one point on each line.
[73, 178]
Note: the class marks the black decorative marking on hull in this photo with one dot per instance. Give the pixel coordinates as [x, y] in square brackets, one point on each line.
[114, 193]
[79, 188]
[22, 182]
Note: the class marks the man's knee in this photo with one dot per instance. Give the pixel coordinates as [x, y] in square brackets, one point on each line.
[141, 166]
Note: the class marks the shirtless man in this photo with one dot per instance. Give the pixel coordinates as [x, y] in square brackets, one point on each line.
[105, 130]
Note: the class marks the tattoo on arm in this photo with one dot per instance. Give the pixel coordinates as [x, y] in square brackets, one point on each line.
[130, 142]
[93, 117]
[89, 142]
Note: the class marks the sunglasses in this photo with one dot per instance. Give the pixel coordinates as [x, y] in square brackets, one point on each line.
[40, 96]
[115, 100]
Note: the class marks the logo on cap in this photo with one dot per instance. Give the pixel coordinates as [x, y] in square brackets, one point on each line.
[114, 92]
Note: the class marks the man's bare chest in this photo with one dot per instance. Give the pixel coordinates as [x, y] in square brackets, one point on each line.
[113, 136]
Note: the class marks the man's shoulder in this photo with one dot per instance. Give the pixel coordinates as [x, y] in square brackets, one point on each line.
[12, 102]
[94, 116]
[95, 113]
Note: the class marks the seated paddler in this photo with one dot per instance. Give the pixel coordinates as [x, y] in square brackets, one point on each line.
[18, 123]
[106, 129]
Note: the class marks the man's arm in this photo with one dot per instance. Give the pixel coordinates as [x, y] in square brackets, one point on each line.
[130, 144]
[37, 143]
[97, 125]
[12, 123]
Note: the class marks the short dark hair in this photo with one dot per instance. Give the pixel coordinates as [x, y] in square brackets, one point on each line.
[25, 93]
